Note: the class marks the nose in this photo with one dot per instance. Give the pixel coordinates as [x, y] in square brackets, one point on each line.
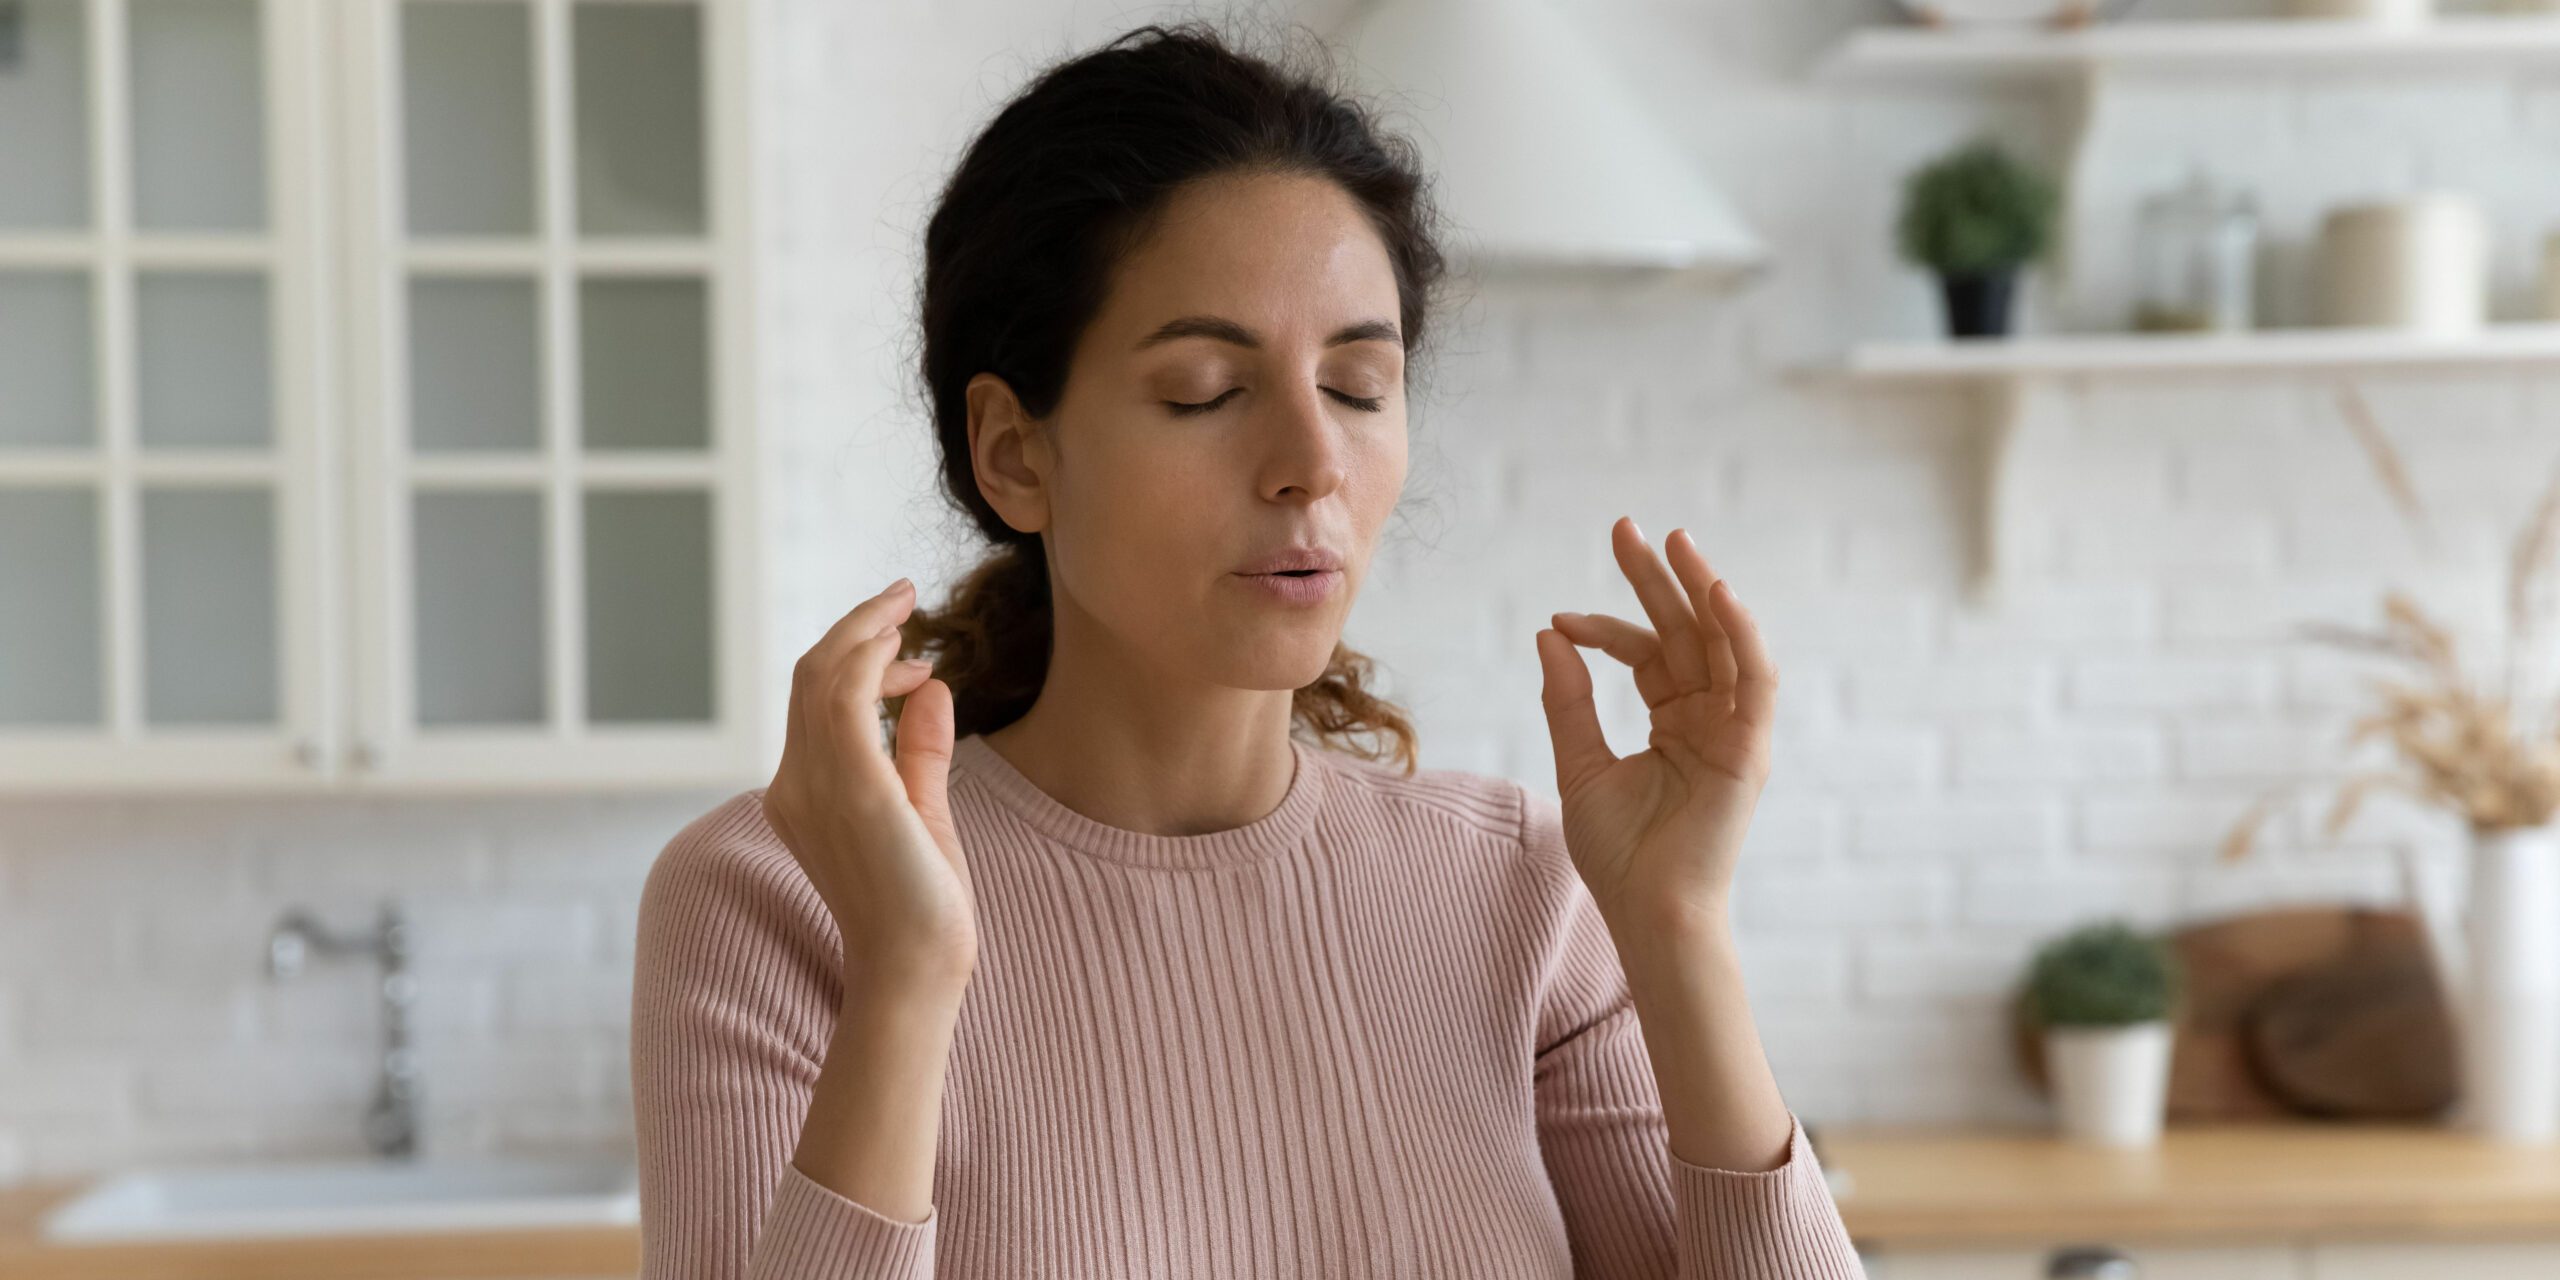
[1307, 458]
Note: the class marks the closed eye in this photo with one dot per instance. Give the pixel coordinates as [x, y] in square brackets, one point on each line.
[1366, 404]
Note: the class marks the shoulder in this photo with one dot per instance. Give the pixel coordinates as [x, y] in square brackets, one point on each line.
[729, 844]
[736, 962]
[1460, 808]
[726, 881]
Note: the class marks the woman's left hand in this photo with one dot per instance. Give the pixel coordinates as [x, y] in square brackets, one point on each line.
[1656, 834]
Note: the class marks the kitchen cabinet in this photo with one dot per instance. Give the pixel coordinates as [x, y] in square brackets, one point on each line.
[2257, 1263]
[377, 410]
[2255, 1201]
[2335, 1261]
[2485, 1260]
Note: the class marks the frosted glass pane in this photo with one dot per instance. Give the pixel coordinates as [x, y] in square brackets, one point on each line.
[649, 594]
[638, 72]
[209, 606]
[50, 648]
[467, 72]
[44, 118]
[200, 347]
[475, 364]
[644, 362]
[199, 153]
[478, 609]
[47, 379]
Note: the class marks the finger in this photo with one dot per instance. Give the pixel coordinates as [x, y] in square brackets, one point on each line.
[903, 675]
[1663, 604]
[893, 605]
[1699, 579]
[1629, 643]
[1573, 723]
[795, 734]
[1755, 689]
[814, 683]
[854, 704]
[925, 726]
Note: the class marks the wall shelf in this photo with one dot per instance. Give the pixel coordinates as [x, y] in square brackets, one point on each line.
[1884, 53]
[2024, 385]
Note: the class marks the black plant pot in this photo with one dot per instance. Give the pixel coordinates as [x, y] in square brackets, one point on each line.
[1978, 302]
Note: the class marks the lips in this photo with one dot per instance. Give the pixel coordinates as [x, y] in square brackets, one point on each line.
[1295, 561]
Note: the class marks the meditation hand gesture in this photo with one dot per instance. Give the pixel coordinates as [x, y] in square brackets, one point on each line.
[1655, 835]
[873, 831]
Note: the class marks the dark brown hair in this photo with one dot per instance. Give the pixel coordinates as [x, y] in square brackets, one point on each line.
[1018, 257]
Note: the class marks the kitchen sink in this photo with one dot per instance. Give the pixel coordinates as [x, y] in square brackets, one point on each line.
[349, 1197]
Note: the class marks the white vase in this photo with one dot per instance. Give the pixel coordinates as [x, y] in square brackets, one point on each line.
[2418, 264]
[2551, 276]
[2110, 1084]
[2510, 1033]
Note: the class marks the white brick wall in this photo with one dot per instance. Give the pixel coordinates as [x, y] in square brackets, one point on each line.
[1952, 783]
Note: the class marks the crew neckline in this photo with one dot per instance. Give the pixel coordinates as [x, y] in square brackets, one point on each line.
[1285, 826]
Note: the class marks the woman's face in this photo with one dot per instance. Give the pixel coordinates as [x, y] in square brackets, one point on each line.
[1269, 302]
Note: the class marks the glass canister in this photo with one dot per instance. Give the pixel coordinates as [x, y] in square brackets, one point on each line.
[2196, 258]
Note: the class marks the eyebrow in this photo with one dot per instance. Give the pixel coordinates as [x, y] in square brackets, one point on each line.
[1225, 330]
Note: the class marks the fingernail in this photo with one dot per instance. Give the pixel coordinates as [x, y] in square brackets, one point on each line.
[901, 583]
[1635, 528]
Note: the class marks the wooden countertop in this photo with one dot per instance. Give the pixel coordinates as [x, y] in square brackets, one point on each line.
[1904, 1189]
[2268, 1182]
[546, 1252]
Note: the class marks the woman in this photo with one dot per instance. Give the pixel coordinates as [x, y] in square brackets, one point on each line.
[1102, 970]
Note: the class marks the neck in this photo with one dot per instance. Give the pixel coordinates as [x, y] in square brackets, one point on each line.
[1140, 767]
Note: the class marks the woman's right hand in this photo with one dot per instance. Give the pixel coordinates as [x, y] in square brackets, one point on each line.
[873, 833]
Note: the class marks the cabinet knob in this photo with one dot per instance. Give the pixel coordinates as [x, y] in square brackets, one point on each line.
[366, 755]
[306, 752]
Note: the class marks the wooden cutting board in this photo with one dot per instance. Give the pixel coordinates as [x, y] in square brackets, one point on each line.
[2302, 1011]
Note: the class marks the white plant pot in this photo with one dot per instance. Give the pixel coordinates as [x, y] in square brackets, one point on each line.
[2110, 1084]
[2510, 1044]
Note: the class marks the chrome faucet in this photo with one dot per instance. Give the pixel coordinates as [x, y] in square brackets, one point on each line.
[391, 1122]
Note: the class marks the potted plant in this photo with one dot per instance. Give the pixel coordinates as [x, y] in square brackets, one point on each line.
[2487, 752]
[1976, 216]
[2102, 995]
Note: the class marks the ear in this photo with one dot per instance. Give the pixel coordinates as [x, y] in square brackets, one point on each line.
[1009, 454]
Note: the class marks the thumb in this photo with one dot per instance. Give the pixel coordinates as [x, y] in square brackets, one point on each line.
[925, 724]
[1573, 723]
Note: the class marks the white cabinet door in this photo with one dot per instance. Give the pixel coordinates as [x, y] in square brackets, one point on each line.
[164, 619]
[2539, 1260]
[551, 570]
[2237, 1262]
[374, 395]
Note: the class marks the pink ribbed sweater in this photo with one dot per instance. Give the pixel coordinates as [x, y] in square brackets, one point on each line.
[1379, 1031]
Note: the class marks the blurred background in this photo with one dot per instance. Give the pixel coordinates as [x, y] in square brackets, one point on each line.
[430, 429]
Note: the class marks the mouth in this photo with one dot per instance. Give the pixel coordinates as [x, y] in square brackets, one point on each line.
[1297, 587]
[1294, 562]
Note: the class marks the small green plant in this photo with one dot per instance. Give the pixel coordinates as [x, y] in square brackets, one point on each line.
[1976, 210]
[2105, 974]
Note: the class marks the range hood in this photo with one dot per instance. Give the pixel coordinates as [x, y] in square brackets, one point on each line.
[1541, 156]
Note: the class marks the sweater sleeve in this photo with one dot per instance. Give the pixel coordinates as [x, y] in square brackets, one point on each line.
[1631, 1207]
[734, 992]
